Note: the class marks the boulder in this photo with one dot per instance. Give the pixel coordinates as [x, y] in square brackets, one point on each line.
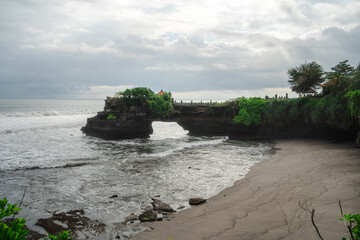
[148, 216]
[196, 201]
[161, 206]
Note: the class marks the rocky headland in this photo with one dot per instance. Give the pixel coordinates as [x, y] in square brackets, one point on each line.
[119, 121]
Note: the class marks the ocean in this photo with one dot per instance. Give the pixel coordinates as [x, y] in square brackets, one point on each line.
[43, 150]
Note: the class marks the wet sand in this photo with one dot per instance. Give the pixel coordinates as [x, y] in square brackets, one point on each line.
[264, 204]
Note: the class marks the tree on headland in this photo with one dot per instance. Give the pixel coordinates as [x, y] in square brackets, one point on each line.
[306, 78]
[340, 78]
[342, 69]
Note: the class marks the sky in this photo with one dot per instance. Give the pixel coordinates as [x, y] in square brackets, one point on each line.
[198, 49]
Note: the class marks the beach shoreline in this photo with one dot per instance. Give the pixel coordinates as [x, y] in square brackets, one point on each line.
[264, 204]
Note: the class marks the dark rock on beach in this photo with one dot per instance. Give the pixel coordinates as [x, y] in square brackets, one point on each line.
[196, 201]
[73, 221]
[161, 206]
[131, 217]
[148, 216]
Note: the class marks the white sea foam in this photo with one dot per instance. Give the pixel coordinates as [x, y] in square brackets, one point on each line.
[12, 124]
[46, 113]
[64, 169]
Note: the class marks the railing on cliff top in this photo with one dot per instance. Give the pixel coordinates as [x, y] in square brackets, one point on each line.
[198, 102]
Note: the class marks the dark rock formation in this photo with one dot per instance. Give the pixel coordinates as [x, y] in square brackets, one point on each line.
[128, 122]
[196, 201]
[199, 120]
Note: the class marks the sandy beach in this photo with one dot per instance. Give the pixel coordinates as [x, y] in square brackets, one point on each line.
[264, 204]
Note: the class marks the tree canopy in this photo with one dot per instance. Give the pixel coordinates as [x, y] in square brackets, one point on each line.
[160, 106]
[306, 78]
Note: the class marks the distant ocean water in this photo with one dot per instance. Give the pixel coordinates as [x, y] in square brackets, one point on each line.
[43, 150]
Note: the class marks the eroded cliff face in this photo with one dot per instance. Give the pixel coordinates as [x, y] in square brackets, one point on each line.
[128, 122]
[218, 121]
[199, 120]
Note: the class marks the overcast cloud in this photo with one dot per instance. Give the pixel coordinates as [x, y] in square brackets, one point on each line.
[195, 49]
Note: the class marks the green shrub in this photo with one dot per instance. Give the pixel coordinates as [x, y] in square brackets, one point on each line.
[135, 96]
[352, 221]
[16, 228]
[160, 106]
[251, 111]
[111, 116]
[284, 112]
[353, 99]
[62, 236]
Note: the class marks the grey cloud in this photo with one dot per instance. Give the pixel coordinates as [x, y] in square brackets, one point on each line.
[45, 54]
[167, 8]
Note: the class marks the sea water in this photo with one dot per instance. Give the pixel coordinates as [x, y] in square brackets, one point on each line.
[43, 150]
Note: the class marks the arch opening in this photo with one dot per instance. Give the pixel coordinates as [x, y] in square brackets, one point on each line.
[167, 130]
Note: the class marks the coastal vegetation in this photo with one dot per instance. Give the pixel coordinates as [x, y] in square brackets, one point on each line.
[306, 77]
[14, 229]
[337, 106]
[160, 105]
[111, 116]
[250, 110]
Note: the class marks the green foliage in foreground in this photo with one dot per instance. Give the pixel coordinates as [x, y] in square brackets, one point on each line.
[352, 222]
[160, 106]
[251, 111]
[62, 236]
[16, 229]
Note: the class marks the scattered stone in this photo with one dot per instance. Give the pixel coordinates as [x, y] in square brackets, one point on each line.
[74, 220]
[131, 217]
[181, 207]
[157, 196]
[149, 209]
[34, 235]
[196, 201]
[114, 196]
[161, 206]
[147, 216]
[76, 212]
